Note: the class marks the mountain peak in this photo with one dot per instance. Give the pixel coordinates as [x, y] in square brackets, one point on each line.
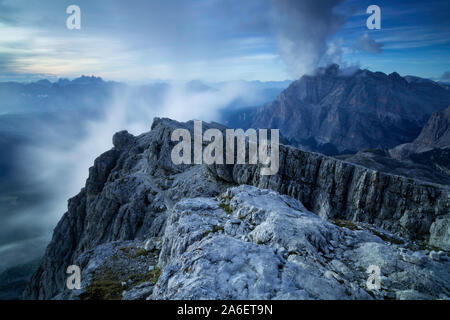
[87, 80]
[333, 107]
[330, 70]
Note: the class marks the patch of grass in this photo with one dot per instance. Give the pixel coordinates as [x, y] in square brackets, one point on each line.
[217, 229]
[187, 270]
[139, 252]
[105, 286]
[346, 224]
[386, 237]
[225, 203]
[205, 234]
[126, 249]
[225, 207]
[425, 246]
[151, 276]
[214, 230]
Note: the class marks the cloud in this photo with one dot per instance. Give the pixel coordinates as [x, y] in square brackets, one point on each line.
[366, 44]
[148, 40]
[59, 161]
[8, 14]
[303, 30]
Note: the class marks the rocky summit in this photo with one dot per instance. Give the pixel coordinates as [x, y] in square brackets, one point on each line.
[145, 228]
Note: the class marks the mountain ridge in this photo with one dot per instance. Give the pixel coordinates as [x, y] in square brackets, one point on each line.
[133, 189]
[352, 111]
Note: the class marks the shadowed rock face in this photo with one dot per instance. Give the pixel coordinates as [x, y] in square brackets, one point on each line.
[437, 130]
[432, 147]
[434, 135]
[134, 190]
[352, 112]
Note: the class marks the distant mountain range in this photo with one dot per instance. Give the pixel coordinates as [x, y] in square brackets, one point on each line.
[91, 93]
[334, 112]
[45, 96]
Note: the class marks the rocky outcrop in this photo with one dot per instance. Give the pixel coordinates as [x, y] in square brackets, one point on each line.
[333, 111]
[135, 195]
[250, 243]
[126, 197]
[257, 244]
[336, 189]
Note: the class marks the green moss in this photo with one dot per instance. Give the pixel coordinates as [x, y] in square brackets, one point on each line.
[214, 230]
[225, 204]
[346, 224]
[139, 252]
[425, 246]
[187, 270]
[104, 286]
[225, 207]
[151, 276]
[126, 249]
[217, 229]
[386, 237]
[205, 234]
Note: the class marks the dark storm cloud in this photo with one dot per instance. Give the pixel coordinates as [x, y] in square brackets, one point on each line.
[303, 28]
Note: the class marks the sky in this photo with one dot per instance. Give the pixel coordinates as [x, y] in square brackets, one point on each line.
[220, 40]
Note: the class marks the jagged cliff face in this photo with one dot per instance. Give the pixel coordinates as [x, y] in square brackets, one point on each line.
[432, 147]
[352, 112]
[434, 135]
[136, 199]
[424, 170]
[436, 132]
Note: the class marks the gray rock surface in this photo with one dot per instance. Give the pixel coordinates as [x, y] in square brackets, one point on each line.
[250, 243]
[268, 246]
[135, 196]
[336, 189]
